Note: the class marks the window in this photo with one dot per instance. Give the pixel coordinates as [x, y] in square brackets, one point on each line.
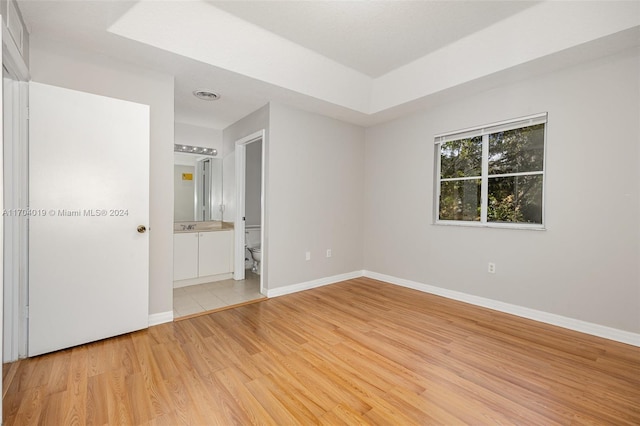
[492, 175]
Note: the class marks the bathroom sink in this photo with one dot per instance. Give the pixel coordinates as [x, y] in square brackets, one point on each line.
[213, 225]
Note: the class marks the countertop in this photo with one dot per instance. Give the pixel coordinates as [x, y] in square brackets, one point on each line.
[207, 226]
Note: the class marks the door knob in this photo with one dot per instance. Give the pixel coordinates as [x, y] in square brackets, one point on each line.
[142, 229]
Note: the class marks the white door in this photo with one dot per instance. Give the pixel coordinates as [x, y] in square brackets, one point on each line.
[88, 194]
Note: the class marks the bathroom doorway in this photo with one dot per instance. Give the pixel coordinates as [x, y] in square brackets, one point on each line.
[248, 282]
[201, 247]
[250, 213]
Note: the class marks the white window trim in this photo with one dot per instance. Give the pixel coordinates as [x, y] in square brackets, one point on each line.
[516, 123]
[484, 131]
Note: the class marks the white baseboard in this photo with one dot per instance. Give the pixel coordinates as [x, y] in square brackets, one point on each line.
[294, 288]
[541, 316]
[160, 318]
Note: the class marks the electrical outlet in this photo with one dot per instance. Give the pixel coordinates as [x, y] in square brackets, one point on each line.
[328, 252]
[492, 268]
[307, 255]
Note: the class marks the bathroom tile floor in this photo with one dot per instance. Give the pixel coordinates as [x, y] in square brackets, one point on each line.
[195, 299]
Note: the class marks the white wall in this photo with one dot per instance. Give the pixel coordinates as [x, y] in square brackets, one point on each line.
[315, 183]
[52, 63]
[189, 134]
[585, 265]
[254, 122]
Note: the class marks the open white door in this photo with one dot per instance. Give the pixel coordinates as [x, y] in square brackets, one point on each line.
[89, 194]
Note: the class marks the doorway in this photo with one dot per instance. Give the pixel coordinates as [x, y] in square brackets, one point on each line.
[250, 207]
[244, 286]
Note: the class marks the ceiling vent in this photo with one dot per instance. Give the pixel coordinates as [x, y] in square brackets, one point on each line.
[206, 95]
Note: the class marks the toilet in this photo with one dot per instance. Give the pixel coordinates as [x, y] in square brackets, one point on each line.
[252, 244]
[256, 254]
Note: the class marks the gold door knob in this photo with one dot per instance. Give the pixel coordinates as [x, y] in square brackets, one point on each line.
[142, 229]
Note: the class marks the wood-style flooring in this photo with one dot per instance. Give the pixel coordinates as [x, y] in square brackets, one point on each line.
[356, 352]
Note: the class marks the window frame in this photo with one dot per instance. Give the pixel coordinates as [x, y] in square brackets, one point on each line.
[484, 131]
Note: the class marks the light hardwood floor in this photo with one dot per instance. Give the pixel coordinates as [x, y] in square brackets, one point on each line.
[357, 352]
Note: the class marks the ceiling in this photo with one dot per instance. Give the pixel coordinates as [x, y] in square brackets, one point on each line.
[343, 59]
[373, 37]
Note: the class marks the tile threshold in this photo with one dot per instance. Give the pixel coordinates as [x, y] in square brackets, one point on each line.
[223, 308]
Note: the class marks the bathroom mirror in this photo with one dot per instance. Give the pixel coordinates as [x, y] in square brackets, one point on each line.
[197, 188]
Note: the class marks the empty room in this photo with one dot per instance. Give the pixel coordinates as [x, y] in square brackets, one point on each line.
[320, 212]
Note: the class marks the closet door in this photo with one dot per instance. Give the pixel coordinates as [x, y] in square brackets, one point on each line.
[89, 201]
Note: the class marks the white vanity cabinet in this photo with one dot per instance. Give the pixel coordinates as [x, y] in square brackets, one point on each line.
[215, 254]
[202, 254]
[185, 256]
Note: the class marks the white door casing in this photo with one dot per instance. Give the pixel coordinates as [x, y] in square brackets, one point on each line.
[89, 192]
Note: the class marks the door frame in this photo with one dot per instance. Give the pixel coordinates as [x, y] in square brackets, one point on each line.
[241, 164]
[16, 268]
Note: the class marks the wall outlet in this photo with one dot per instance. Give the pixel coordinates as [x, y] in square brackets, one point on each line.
[307, 256]
[328, 252]
[492, 268]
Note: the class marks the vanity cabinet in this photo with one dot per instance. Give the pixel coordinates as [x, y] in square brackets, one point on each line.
[215, 253]
[185, 256]
[202, 254]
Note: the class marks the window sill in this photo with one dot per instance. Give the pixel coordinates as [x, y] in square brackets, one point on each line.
[519, 226]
